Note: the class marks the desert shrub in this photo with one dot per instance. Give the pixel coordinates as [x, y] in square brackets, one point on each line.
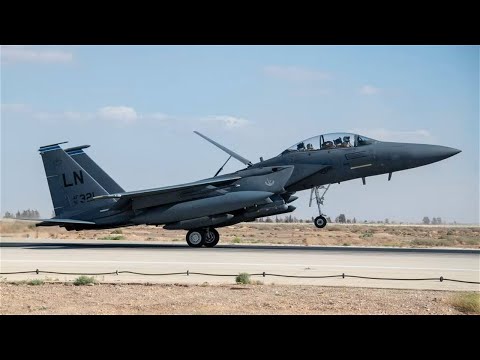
[84, 280]
[243, 278]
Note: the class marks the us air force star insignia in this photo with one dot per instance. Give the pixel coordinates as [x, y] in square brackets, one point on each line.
[269, 182]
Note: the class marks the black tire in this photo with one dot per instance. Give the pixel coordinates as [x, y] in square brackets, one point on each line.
[320, 222]
[213, 240]
[195, 238]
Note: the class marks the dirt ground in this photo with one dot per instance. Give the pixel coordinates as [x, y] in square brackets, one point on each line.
[273, 233]
[65, 298]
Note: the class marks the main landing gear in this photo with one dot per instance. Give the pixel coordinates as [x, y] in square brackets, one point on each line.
[320, 221]
[203, 237]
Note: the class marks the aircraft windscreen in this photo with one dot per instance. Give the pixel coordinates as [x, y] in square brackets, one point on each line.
[330, 141]
[363, 140]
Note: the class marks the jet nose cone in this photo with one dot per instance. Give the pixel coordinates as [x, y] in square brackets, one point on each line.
[432, 153]
[454, 151]
[407, 156]
[443, 152]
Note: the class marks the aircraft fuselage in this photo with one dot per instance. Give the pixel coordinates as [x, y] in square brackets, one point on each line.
[355, 162]
[85, 197]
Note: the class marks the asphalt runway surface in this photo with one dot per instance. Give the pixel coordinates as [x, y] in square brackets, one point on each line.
[93, 256]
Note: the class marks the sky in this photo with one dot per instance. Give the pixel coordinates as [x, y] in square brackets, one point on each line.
[137, 106]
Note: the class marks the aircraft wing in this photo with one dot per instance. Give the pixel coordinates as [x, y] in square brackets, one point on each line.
[55, 222]
[170, 194]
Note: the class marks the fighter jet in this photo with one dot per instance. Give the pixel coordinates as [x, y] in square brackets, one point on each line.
[86, 197]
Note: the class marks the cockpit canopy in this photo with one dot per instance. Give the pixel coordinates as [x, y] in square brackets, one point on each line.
[331, 141]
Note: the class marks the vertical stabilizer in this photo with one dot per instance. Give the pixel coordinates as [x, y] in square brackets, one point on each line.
[71, 186]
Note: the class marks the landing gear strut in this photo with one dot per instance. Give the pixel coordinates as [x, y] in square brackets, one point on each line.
[203, 237]
[320, 221]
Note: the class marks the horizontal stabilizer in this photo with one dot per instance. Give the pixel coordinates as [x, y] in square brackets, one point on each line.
[228, 151]
[54, 222]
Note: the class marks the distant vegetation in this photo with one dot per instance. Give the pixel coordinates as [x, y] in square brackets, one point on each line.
[280, 219]
[434, 221]
[25, 214]
[342, 219]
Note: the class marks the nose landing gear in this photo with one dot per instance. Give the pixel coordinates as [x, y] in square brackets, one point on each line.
[320, 221]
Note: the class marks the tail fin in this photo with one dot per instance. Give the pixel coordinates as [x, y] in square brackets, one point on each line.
[71, 186]
[93, 169]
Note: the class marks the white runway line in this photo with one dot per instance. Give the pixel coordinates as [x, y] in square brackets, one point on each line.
[234, 264]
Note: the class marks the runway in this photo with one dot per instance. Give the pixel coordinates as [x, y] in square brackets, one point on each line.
[92, 256]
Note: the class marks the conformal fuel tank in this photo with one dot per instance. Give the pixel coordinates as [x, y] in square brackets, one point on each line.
[202, 207]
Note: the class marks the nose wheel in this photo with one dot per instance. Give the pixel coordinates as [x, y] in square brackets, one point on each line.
[320, 221]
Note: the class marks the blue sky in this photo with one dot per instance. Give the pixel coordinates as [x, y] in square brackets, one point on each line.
[138, 106]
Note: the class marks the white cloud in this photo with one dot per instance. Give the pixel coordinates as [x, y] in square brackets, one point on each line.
[33, 54]
[369, 90]
[420, 135]
[295, 73]
[15, 108]
[122, 114]
[228, 121]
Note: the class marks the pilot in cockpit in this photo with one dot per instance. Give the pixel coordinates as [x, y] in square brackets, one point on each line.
[310, 147]
[301, 146]
[346, 141]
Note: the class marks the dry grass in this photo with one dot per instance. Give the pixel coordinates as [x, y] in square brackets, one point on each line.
[113, 237]
[15, 227]
[468, 303]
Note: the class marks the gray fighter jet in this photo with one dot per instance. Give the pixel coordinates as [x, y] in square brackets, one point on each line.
[85, 197]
